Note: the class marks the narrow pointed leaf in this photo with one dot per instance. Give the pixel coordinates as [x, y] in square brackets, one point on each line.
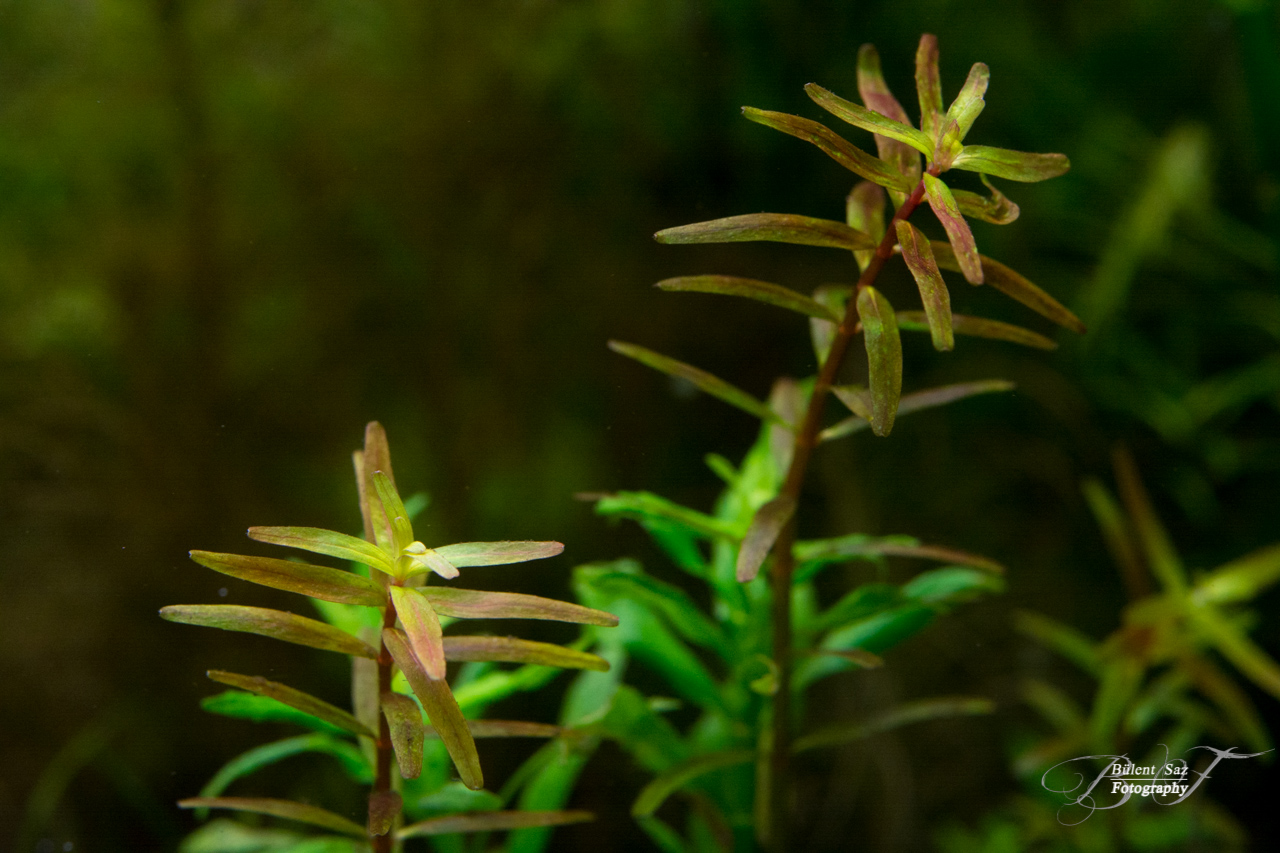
[933, 290]
[354, 763]
[278, 624]
[918, 400]
[771, 227]
[404, 721]
[911, 712]
[1157, 547]
[1013, 285]
[787, 400]
[1235, 646]
[394, 508]
[294, 698]
[421, 627]
[673, 603]
[860, 116]
[1011, 165]
[509, 728]
[315, 581]
[492, 822]
[834, 146]
[929, 86]
[648, 507]
[876, 95]
[1119, 538]
[1062, 638]
[442, 709]
[968, 105]
[515, 650]
[657, 791]
[328, 542]
[475, 604]
[713, 385]
[1242, 579]
[384, 808]
[761, 291]
[1230, 699]
[998, 210]
[464, 554]
[376, 456]
[884, 357]
[978, 327]
[263, 709]
[859, 545]
[765, 528]
[948, 213]
[287, 809]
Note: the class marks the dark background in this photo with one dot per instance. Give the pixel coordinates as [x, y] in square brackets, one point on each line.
[232, 232]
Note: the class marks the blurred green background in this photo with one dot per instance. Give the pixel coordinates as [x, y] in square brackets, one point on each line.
[232, 232]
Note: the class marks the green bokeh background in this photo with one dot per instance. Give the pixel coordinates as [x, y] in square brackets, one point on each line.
[233, 232]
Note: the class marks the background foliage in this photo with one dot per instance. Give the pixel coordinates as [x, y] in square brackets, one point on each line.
[233, 232]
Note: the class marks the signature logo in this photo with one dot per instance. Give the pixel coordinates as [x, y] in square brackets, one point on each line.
[1167, 783]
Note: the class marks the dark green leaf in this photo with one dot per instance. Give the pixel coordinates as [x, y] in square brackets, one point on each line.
[656, 792]
[834, 146]
[881, 631]
[300, 812]
[860, 116]
[713, 385]
[766, 527]
[514, 650]
[404, 721]
[884, 357]
[328, 542]
[492, 822]
[912, 712]
[772, 227]
[858, 604]
[979, 327]
[933, 290]
[294, 698]
[475, 604]
[950, 585]
[353, 761]
[288, 627]
[464, 554]
[1013, 285]
[761, 291]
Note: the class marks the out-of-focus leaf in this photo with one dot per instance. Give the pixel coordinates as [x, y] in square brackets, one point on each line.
[294, 698]
[475, 604]
[1118, 683]
[918, 400]
[464, 554]
[442, 709]
[491, 687]
[864, 209]
[855, 398]
[787, 399]
[515, 650]
[881, 631]
[1011, 165]
[951, 584]
[964, 249]
[834, 146]
[491, 822]
[1013, 285]
[384, 808]
[772, 227]
[1154, 539]
[859, 657]
[859, 545]
[876, 95]
[405, 723]
[1236, 647]
[329, 542]
[1230, 699]
[508, 728]
[911, 712]
[713, 385]
[1118, 536]
[287, 809]
[858, 604]
[263, 709]
[765, 528]
[998, 210]
[929, 86]
[933, 290]
[653, 795]
[979, 327]
[646, 506]
[859, 116]
[1055, 706]
[761, 291]
[353, 761]
[1063, 639]
[1242, 579]
[277, 624]
[680, 611]
[454, 797]
[654, 743]
[421, 627]
[315, 581]
[229, 836]
[884, 357]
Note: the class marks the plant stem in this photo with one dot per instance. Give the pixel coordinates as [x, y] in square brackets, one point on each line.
[382, 764]
[783, 558]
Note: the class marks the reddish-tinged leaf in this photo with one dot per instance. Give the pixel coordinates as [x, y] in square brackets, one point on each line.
[404, 720]
[884, 357]
[948, 213]
[788, 400]
[998, 210]
[491, 822]
[1011, 165]
[278, 624]
[766, 526]
[933, 290]
[464, 554]
[515, 650]
[761, 291]
[287, 809]
[890, 546]
[772, 227]
[421, 627]
[860, 116]
[918, 400]
[475, 604]
[978, 327]
[294, 698]
[944, 555]
[328, 542]
[384, 808]
[508, 728]
[713, 385]
[929, 86]
[315, 581]
[876, 95]
[834, 146]
[376, 456]
[442, 709]
[1013, 285]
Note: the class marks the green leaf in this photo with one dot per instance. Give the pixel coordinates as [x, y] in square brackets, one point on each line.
[766, 527]
[864, 210]
[1063, 639]
[948, 212]
[918, 400]
[771, 227]
[959, 119]
[1118, 683]
[1118, 536]
[1011, 165]
[328, 542]
[876, 95]
[492, 822]
[454, 797]
[978, 327]
[653, 795]
[998, 210]
[404, 721]
[1013, 285]
[288, 627]
[1242, 579]
[398, 516]
[1236, 647]
[646, 506]
[421, 627]
[353, 761]
[294, 698]
[229, 836]
[761, 291]
[464, 554]
[911, 712]
[514, 650]
[316, 581]
[475, 604]
[673, 603]
[1153, 538]
[933, 290]
[300, 812]
[859, 545]
[881, 631]
[442, 709]
[263, 709]
[929, 86]
[884, 357]
[858, 604]
[951, 585]
[860, 116]
[834, 146]
[713, 385]
[1234, 703]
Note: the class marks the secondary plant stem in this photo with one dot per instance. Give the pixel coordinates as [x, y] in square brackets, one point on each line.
[382, 778]
[783, 559]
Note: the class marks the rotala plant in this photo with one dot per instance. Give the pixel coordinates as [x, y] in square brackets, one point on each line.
[757, 517]
[390, 623]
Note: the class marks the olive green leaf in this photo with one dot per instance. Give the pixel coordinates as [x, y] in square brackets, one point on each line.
[515, 650]
[964, 110]
[1063, 639]
[713, 385]
[294, 698]
[421, 627]
[948, 213]
[929, 86]
[876, 95]
[998, 210]
[1242, 579]
[761, 291]
[475, 604]
[508, 728]
[492, 822]
[933, 290]
[1156, 545]
[354, 763]
[384, 808]
[464, 554]
[772, 227]
[916, 400]
[766, 526]
[278, 624]
[287, 809]
[979, 327]
[262, 709]
[1011, 165]
[860, 116]
[1236, 647]
[328, 542]
[376, 456]
[404, 721]
[864, 210]
[855, 398]
[1013, 285]
[884, 357]
[834, 146]
[911, 712]
[315, 581]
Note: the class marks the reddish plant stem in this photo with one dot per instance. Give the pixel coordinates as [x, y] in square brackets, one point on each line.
[382, 763]
[783, 559]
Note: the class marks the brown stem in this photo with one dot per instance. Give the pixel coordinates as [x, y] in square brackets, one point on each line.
[784, 560]
[382, 764]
